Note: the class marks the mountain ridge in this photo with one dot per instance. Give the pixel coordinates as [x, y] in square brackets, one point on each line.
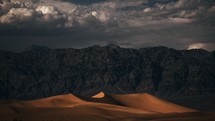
[38, 73]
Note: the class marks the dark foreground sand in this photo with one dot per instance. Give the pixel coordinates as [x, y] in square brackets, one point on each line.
[132, 107]
[197, 116]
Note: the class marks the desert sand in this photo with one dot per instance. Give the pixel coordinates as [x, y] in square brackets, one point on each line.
[101, 107]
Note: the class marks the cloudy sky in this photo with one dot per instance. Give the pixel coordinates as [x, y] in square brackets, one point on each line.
[180, 24]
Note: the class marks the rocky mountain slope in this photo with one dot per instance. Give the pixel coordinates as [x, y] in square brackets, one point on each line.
[39, 72]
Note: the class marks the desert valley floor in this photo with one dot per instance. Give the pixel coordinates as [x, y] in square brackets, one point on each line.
[101, 107]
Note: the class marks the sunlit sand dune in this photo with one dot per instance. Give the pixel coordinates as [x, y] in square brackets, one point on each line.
[133, 107]
[142, 102]
[99, 95]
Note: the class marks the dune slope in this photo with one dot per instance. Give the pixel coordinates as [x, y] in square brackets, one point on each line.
[99, 106]
[151, 103]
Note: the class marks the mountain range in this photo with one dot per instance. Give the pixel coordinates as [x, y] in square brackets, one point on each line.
[39, 72]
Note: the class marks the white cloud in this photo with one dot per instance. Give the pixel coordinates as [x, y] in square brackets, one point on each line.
[47, 10]
[181, 20]
[94, 13]
[197, 46]
[17, 14]
[207, 46]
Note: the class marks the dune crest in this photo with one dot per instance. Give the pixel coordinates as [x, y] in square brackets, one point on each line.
[99, 95]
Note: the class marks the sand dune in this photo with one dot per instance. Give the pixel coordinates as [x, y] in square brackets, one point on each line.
[144, 102]
[55, 101]
[150, 103]
[100, 105]
[67, 100]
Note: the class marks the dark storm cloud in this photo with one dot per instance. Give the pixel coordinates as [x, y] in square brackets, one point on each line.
[180, 24]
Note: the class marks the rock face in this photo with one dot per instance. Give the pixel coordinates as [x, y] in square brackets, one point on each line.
[41, 72]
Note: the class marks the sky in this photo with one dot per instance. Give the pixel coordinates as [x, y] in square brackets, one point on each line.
[179, 24]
